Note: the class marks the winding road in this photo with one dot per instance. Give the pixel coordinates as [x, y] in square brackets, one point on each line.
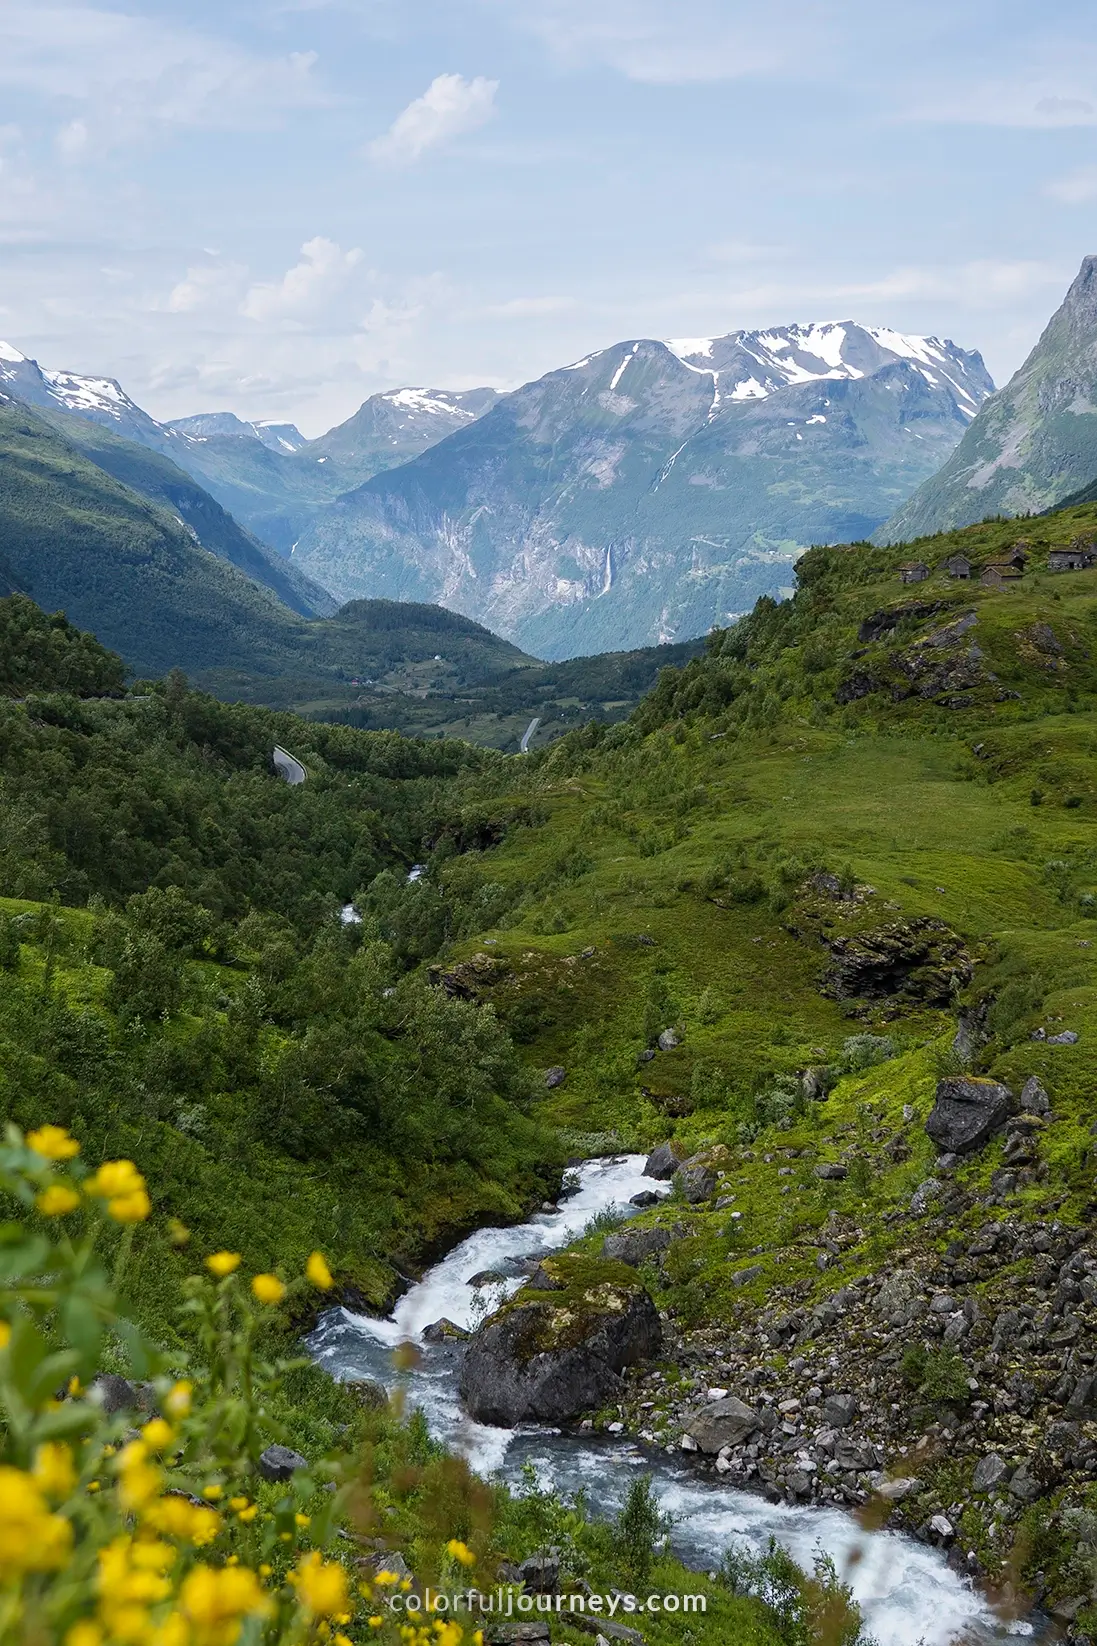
[528, 733]
[288, 766]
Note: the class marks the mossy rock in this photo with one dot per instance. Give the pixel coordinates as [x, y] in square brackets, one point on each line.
[558, 1350]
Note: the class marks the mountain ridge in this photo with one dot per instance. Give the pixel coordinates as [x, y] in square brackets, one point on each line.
[1033, 444]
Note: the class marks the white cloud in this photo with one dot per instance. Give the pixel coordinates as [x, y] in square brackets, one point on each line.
[450, 106]
[323, 268]
[133, 72]
[1076, 189]
[204, 286]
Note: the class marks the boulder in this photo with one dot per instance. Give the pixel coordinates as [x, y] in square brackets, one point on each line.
[839, 1411]
[920, 959]
[635, 1246]
[696, 1180]
[548, 1356]
[113, 1393]
[831, 1171]
[1034, 1098]
[444, 1331]
[671, 1038]
[486, 1277]
[1026, 1485]
[541, 1571]
[743, 1277]
[646, 1197]
[990, 1471]
[662, 1163]
[924, 1196]
[1068, 1037]
[966, 1112]
[368, 1393]
[727, 1422]
[555, 1077]
[280, 1462]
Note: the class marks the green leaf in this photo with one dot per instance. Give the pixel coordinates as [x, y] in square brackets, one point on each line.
[28, 1257]
[26, 1352]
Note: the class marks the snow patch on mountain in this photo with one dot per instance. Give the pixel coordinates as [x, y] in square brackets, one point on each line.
[751, 365]
[9, 353]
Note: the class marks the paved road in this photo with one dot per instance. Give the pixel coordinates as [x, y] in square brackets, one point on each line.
[530, 729]
[288, 767]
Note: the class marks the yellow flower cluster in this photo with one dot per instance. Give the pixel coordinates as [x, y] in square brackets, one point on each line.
[121, 1185]
[321, 1586]
[53, 1143]
[214, 1602]
[32, 1537]
[460, 1552]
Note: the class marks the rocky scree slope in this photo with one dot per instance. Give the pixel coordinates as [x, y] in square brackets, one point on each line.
[1034, 443]
[837, 953]
[652, 489]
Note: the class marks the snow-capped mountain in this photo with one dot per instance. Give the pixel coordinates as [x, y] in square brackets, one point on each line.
[277, 437]
[99, 399]
[392, 427]
[749, 365]
[650, 490]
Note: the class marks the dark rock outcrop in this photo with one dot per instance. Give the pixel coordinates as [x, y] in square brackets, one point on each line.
[280, 1462]
[921, 959]
[546, 1357]
[966, 1112]
[662, 1163]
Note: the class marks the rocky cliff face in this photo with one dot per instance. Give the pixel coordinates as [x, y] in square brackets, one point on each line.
[654, 489]
[1033, 444]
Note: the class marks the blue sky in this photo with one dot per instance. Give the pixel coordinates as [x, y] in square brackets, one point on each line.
[278, 207]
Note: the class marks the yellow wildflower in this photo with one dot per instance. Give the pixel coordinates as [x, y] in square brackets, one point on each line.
[268, 1289]
[84, 1633]
[248, 1515]
[214, 1603]
[57, 1200]
[213, 1491]
[302, 1520]
[74, 1388]
[31, 1538]
[223, 1263]
[130, 1208]
[53, 1143]
[114, 1178]
[138, 1480]
[321, 1585]
[460, 1552]
[265, 1569]
[172, 1632]
[185, 1521]
[93, 1485]
[158, 1435]
[318, 1272]
[343, 1640]
[376, 1622]
[386, 1579]
[53, 1470]
[238, 1502]
[5, 1334]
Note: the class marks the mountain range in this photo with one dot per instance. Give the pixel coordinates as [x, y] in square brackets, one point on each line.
[638, 496]
[1033, 445]
[654, 489]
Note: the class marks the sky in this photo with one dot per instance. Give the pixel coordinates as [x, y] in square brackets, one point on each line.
[279, 207]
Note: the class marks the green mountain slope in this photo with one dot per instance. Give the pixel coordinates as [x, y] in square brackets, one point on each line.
[160, 479]
[1034, 443]
[861, 824]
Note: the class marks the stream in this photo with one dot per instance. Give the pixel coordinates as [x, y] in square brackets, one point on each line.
[906, 1590]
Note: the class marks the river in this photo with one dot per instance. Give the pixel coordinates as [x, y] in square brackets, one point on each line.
[906, 1590]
